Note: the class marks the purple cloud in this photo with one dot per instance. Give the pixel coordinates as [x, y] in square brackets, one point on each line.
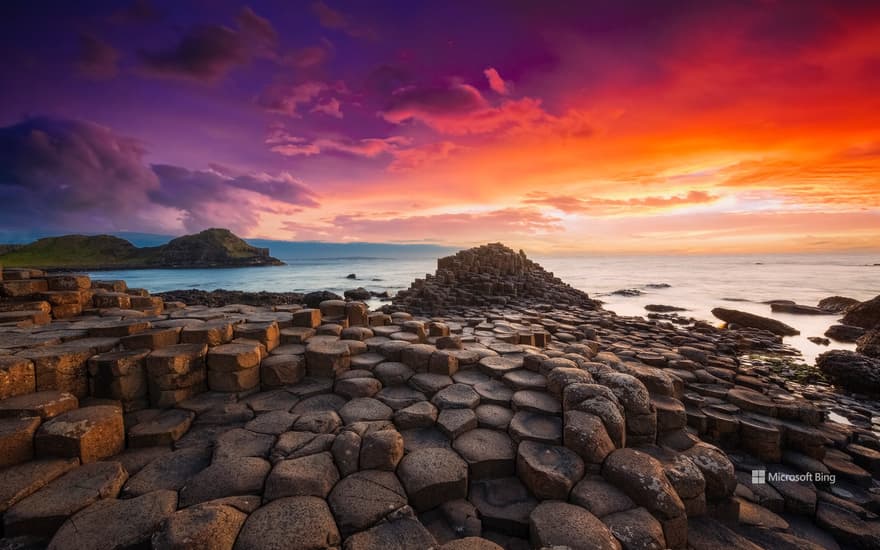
[209, 52]
[79, 176]
[97, 59]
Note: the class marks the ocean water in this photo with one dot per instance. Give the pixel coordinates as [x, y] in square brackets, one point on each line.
[697, 283]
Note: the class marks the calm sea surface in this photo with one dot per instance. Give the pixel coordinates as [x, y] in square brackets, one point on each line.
[698, 283]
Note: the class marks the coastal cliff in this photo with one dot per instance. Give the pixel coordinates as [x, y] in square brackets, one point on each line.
[210, 248]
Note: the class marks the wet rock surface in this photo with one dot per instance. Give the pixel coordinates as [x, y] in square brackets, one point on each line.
[488, 406]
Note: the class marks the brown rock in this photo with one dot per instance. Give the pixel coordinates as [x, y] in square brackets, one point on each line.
[433, 476]
[294, 522]
[17, 439]
[224, 478]
[16, 376]
[170, 471]
[600, 497]
[549, 471]
[327, 359]
[504, 505]
[641, 477]
[112, 523]
[90, 434]
[313, 475]
[381, 450]
[22, 480]
[488, 453]
[562, 524]
[43, 512]
[207, 526]
[164, 429]
[400, 533]
[362, 499]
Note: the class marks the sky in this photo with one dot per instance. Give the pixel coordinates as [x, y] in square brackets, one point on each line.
[560, 127]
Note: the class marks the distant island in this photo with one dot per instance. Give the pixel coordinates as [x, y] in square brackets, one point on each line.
[208, 249]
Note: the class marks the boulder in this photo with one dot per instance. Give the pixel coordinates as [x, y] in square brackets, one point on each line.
[865, 315]
[851, 370]
[751, 320]
[869, 344]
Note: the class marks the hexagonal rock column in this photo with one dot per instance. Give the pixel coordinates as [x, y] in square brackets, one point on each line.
[554, 524]
[364, 498]
[45, 404]
[293, 522]
[234, 367]
[42, 513]
[121, 375]
[490, 454]
[216, 521]
[212, 333]
[267, 334]
[641, 419]
[326, 359]
[642, 478]
[549, 471]
[433, 476]
[16, 376]
[60, 368]
[90, 434]
[17, 439]
[129, 523]
[176, 373]
[277, 371]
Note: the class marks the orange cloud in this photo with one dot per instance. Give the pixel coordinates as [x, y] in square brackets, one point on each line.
[496, 83]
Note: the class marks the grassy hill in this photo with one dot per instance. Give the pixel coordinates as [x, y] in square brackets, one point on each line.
[210, 248]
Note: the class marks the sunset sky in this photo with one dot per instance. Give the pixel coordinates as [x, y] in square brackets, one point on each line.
[608, 127]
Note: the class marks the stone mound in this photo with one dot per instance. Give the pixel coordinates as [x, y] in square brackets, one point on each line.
[488, 275]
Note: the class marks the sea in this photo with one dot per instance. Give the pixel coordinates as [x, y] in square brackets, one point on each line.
[696, 283]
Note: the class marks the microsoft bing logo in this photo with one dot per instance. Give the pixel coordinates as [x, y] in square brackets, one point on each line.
[759, 477]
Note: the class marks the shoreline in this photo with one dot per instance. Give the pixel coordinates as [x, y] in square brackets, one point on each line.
[490, 386]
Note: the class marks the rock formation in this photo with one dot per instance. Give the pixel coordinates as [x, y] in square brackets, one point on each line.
[210, 248]
[745, 319]
[489, 275]
[523, 416]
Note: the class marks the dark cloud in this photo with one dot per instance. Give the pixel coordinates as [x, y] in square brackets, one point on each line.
[66, 175]
[209, 52]
[258, 27]
[97, 58]
[139, 11]
[334, 19]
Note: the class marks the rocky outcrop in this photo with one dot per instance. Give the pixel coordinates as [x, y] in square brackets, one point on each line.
[210, 248]
[851, 370]
[751, 320]
[865, 315]
[837, 304]
[489, 275]
[869, 344]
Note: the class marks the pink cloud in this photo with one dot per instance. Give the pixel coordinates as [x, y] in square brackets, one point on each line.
[460, 109]
[416, 157]
[603, 206]
[287, 145]
[498, 85]
[286, 99]
[331, 108]
[457, 227]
